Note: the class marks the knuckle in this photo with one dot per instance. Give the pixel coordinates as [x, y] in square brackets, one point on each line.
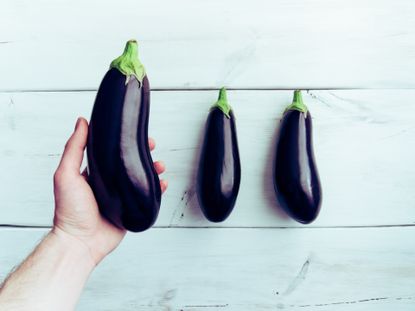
[67, 145]
[59, 176]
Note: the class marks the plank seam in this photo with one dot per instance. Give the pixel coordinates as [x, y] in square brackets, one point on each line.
[210, 89]
[17, 226]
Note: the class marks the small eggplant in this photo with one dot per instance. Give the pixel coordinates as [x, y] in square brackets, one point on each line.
[296, 179]
[219, 173]
[121, 171]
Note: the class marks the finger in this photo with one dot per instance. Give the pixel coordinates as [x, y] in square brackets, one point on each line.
[163, 185]
[160, 167]
[151, 143]
[74, 148]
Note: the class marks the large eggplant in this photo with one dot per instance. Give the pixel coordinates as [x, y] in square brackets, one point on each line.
[219, 173]
[121, 171]
[296, 179]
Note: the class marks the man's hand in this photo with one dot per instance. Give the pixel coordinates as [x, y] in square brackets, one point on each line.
[76, 211]
[53, 275]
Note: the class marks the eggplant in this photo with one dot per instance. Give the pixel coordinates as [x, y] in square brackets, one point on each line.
[219, 172]
[296, 179]
[120, 168]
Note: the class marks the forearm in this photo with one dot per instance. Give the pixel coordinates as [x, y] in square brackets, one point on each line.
[51, 278]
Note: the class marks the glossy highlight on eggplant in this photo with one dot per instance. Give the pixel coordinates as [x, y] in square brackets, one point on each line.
[296, 178]
[219, 172]
[120, 168]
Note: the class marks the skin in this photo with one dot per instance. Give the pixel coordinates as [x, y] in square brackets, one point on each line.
[53, 275]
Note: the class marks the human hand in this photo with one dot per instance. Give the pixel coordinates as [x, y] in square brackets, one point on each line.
[77, 215]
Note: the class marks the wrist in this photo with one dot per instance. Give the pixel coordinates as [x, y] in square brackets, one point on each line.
[72, 248]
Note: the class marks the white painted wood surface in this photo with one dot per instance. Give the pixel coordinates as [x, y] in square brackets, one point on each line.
[53, 55]
[241, 269]
[362, 139]
[52, 44]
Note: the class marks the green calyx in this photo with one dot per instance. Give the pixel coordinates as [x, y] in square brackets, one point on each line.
[222, 103]
[128, 63]
[297, 103]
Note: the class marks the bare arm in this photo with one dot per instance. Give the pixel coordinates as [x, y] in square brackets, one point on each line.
[53, 276]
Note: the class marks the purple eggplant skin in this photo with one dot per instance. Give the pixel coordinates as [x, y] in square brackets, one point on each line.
[219, 172]
[121, 171]
[296, 178]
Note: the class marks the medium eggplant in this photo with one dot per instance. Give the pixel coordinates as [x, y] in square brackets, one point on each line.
[120, 168]
[219, 173]
[296, 179]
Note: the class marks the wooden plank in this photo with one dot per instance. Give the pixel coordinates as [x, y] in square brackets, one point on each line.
[246, 269]
[192, 44]
[364, 144]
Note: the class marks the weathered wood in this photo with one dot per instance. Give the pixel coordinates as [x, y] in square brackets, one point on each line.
[246, 269]
[363, 143]
[187, 43]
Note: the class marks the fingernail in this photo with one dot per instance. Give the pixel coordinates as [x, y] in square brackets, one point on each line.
[77, 123]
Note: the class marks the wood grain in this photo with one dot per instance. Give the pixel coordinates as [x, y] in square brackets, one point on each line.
[363, 143]
[246, 269]
[197, 44]
[358, 255]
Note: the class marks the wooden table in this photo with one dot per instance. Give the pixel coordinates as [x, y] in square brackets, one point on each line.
[355, 58]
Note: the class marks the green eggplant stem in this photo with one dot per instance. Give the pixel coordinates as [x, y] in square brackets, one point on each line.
[222, 102]
[297, 103]
[128, 63]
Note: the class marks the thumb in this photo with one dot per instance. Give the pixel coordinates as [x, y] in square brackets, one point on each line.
[74, 148]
